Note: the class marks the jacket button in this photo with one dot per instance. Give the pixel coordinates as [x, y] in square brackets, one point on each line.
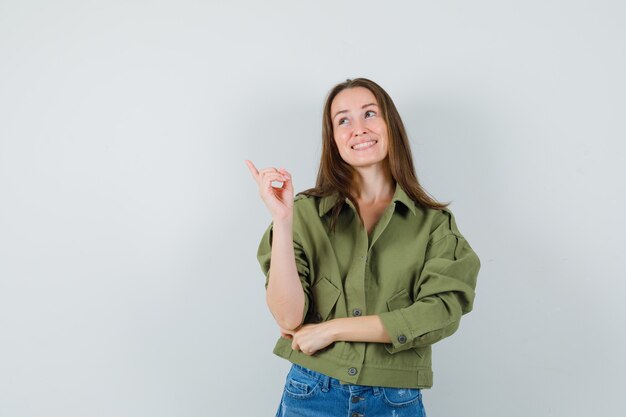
[352, 371]
[318, 317]
[357, 312]
[402, 338]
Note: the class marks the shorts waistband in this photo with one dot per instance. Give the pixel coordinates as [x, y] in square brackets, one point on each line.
[328, 381]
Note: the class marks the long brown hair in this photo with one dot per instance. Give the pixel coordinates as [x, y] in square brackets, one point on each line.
[336, 175]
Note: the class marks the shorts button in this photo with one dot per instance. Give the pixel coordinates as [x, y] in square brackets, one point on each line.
[357, 312]
[356, 399]
[356, 415]
[352, 371]
[402, 338]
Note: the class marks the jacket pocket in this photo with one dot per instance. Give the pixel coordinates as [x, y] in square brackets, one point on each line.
[399, 300]
[325, 296]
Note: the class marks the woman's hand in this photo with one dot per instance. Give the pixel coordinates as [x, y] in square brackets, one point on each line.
[279, 200]
[310, 338]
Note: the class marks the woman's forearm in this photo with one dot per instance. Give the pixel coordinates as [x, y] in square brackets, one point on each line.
[312, 337]
[359, 329]
[284, 296]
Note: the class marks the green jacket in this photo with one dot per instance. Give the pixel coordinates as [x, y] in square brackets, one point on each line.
[415, 271]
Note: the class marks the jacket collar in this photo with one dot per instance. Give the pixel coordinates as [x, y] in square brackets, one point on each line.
[328, 202]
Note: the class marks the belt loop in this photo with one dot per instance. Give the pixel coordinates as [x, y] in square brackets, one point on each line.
[325, 383]
[376, 390]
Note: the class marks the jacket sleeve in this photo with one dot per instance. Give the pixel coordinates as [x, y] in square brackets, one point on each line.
[264, 255]
[445, 292]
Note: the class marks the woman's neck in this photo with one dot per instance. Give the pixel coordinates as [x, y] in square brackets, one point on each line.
[373, 185]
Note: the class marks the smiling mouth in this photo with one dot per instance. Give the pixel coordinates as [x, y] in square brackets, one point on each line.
[364, 145]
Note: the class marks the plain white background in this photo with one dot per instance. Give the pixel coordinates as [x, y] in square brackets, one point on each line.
[129, 222]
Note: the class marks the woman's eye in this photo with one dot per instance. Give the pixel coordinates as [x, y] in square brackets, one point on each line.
[342, 120]
[370, 111]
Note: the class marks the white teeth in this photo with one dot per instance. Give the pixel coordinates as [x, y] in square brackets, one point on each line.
[364, 145]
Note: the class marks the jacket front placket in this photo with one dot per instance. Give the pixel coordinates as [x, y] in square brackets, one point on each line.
[358, 277]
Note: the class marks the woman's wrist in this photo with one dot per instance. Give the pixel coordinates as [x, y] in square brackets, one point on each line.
[335, 329]
[283, 222]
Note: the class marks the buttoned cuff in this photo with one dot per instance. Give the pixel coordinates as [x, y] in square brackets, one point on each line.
[398, 330]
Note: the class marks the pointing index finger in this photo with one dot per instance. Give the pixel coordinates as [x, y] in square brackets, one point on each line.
[252, 168]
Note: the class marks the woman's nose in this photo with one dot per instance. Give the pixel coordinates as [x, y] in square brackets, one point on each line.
[359, 128]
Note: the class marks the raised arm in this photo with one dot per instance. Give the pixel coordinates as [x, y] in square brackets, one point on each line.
[284, 296]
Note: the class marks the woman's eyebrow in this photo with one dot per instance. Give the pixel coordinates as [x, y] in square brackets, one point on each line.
[345, 111]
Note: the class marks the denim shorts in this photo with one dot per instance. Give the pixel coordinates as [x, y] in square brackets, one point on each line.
[310, 393]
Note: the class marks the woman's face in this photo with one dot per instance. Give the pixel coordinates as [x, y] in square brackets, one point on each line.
[359, 129]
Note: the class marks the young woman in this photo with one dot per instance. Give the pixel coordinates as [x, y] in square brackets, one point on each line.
[365, 271]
